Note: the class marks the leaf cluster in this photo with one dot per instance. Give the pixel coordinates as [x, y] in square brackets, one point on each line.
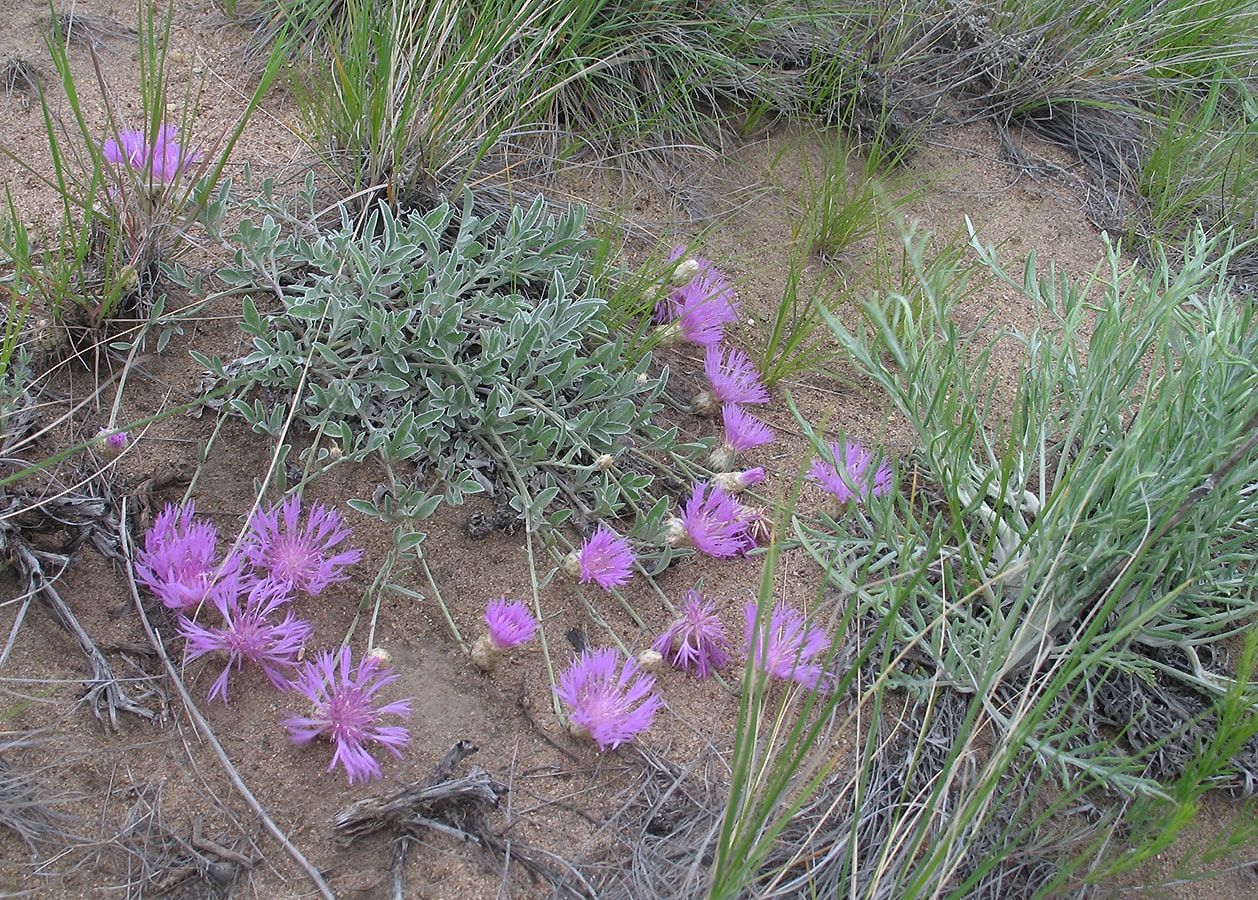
[463, 355]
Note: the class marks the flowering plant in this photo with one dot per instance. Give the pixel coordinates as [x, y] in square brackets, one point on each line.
[344, 711]
[696, 640]
[609, 707]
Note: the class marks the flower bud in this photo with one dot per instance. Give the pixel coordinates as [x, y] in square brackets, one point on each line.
[737, 482]
[49, 335]
[675, 533]
[684, 272]
[109, 443]
[571, 566]
[722, 459]
[652, 661]
[705, 403]
[485, 654]
[580, 732]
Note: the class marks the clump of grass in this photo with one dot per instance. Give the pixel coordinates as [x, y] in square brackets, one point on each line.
[128, 195]
[796, 342]
[1032, 559]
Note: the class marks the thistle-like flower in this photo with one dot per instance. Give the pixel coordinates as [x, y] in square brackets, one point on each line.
[248, 631]
[163, 160]
[852, 481]
[345, 712]
[109, 442]
[737, 482]
[609, 708]
[301, 556]
[510, 624]
[787, 646]
[714, 523]
[177, 563]
[743, 431]
[732, 378]
[698, 311]
[605, 558]
[696, 640]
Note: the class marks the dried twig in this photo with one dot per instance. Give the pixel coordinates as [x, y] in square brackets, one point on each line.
[104, 689]
[451, 806]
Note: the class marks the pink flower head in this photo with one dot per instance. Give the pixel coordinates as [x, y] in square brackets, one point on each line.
[696, 640]
[510, 623]
[605, 558]
[787, 647]
[610, 708]
[164, 160]
[732, 377]
[248, 631]
[177, 562]
[852, 482]
[301, 556]
[110, 442]
[743, 431]
[345, 712]
[714, 523]
[698, 311]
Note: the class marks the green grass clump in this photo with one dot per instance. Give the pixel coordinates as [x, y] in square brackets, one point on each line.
[1040, 611]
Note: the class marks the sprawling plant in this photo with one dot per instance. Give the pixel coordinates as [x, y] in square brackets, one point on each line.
[465, 354]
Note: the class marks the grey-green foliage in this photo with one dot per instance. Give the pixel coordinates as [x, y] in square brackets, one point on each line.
[465, 356]
[1102, 529]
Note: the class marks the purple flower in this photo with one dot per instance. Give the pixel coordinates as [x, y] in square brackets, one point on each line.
[714, 523]
[345, 712]
[109, 442]
[790, 647]
[852, 482]
[510, 623]
[605, 558]
[698, 311]
[177, 562]
[732, 377]
[743, 431]
[696, 640]
[300, 556]
[248, 631]
[609, 708]
[164, 160]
